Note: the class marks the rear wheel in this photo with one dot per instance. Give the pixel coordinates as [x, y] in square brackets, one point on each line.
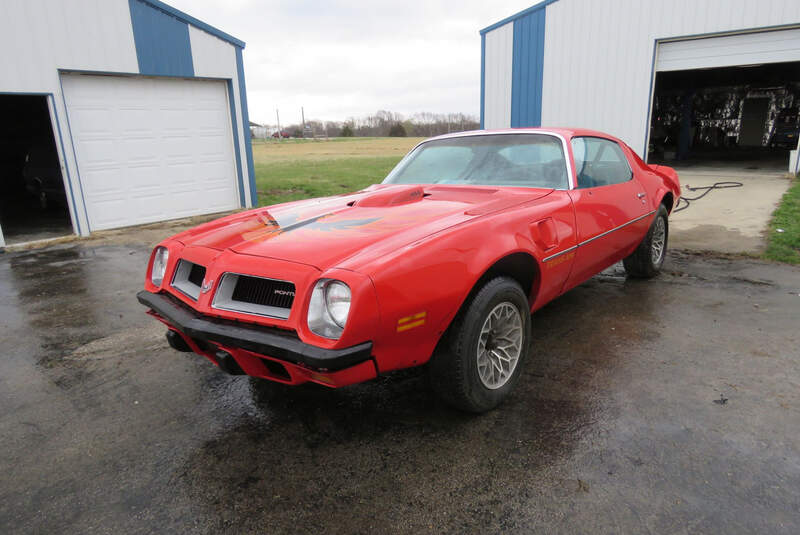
[486, 347]
[646, 261]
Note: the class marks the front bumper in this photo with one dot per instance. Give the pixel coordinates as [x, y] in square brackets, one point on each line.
[252, 340]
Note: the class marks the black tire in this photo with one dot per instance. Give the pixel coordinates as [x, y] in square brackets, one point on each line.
[641, 263]
[454, 370]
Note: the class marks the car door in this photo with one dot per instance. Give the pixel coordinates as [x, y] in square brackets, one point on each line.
[610, 206]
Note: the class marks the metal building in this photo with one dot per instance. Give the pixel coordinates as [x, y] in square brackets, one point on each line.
[608, 64]
[117, 113]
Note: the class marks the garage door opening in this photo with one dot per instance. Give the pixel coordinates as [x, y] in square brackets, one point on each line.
[745, 116]
[33, 201]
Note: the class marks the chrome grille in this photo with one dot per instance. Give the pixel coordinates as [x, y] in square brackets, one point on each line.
[254, 295]
[188, 278]
[265, 292]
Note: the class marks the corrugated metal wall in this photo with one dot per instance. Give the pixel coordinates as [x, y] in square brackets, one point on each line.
[38, 37]
[497, 89]
[41, 38]
[598, 57]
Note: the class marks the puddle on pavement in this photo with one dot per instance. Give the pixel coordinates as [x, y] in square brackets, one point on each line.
[71, 296]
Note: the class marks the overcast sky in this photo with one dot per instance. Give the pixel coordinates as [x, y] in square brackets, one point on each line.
[343, 58]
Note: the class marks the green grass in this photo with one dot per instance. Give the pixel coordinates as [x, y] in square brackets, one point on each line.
[785, 246]
[302, 168]
[279, 182]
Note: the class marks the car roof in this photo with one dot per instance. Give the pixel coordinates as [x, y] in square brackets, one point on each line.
[562, 131]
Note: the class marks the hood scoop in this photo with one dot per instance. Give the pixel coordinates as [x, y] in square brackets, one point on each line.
[392, 196]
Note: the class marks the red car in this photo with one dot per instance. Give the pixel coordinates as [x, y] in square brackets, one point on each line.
[441, 264]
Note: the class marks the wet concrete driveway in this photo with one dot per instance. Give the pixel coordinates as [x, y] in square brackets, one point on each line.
[662, 406]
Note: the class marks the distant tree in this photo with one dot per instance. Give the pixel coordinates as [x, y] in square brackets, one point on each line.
[333, 128]
[397, 130]
[382, 122]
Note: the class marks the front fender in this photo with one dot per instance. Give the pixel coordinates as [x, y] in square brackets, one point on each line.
[421, 287]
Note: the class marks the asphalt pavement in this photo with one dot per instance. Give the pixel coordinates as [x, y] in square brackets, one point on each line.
[666, 406]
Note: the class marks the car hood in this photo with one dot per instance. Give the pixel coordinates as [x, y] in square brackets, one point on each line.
[323, 232]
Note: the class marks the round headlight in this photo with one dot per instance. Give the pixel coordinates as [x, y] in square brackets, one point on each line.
[159, 265]
[337, 299]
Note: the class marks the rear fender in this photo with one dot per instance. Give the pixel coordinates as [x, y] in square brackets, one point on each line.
[671, 182]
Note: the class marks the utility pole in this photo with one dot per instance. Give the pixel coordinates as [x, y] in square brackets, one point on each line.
[278, 118]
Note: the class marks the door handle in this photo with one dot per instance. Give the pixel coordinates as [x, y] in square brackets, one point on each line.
[640, 195]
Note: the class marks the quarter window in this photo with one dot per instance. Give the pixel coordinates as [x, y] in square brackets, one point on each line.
[599, 162]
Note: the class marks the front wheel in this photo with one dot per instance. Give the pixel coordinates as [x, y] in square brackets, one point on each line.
[646, 261]
[485, 349]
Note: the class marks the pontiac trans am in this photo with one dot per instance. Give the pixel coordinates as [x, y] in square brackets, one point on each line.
[442, 264]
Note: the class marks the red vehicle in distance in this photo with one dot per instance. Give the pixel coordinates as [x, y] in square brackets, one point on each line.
[442, 264]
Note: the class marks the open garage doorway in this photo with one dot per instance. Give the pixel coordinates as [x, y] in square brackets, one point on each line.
[741, 116]
[33, 201]
[727, 99]
[724, 113]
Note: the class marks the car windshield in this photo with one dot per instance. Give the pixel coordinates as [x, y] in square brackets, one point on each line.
[521, 160]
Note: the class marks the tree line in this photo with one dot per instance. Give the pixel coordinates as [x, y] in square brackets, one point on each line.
[386, 123]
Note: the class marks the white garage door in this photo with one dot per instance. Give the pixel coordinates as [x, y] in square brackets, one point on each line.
[151, 149]
[729, 50]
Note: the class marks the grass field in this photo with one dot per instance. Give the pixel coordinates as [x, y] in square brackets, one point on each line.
[298, 168]
[785, 246]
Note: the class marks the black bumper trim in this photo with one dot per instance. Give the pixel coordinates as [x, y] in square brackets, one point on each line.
[252, 338]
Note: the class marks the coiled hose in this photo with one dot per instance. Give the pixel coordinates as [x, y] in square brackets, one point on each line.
[685, 202]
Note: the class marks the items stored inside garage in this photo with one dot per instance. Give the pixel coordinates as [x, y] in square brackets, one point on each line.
[33, 199]
[731, 97]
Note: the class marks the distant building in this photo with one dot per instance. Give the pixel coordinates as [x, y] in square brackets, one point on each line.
[663, 75]
[258, 131]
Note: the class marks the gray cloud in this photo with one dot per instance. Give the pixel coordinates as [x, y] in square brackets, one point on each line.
[350, 58]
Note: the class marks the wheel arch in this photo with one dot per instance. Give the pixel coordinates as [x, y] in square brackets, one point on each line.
[668, 200]
[521, 266]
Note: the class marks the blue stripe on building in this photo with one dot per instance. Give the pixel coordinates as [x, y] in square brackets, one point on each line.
[162, 41]
[236, 149]
[180, 15]
[528, 69]
[163, 48]
[527, 72]
[515, 16]
[248, 147]
[66, 165]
